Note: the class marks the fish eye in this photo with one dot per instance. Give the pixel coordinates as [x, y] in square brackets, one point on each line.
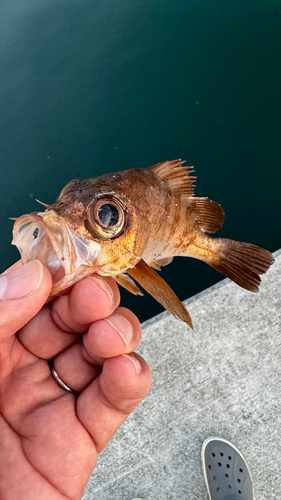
[106, 218]
[108, 215]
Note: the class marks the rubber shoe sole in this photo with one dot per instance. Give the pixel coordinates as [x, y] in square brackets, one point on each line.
[225, 470]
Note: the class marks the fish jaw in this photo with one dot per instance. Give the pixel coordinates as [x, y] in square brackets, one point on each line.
[47, 237]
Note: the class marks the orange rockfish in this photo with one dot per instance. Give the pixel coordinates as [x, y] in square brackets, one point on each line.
[127, 223]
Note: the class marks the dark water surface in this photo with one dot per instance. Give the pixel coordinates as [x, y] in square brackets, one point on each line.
[90, 87]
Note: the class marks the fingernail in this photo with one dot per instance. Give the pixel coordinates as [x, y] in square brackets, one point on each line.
[122, 326]
[104, 286]
[135, 362]
[21, 282]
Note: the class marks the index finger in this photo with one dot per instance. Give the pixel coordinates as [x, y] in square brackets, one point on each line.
[89, 300]
[61, 321]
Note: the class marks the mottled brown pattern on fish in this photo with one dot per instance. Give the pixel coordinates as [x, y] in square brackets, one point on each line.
[120, 223]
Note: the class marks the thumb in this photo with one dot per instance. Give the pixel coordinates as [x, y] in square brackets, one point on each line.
[23, 292]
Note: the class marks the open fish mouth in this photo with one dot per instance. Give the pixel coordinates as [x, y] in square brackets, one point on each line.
[47, 237]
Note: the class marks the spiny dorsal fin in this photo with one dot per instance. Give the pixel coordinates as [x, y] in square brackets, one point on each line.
[158, 263]
[208, 214]
[178, 177]
[127, 282]
[160, 290]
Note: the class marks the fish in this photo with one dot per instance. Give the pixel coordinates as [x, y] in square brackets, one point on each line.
[128, 225]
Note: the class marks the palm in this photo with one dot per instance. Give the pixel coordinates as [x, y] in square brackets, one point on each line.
[49, 438]
[47, 444]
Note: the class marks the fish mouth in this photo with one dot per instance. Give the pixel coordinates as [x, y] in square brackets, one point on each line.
[47, 237]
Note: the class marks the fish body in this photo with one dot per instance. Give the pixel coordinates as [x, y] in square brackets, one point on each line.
[127, 225]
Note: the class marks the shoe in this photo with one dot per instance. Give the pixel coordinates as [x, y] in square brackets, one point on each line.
[226, 473]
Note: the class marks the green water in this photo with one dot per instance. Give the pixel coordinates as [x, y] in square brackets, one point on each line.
[90, 87]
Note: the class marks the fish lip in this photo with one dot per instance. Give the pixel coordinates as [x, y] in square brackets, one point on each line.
[50, 247]
[26, 245]
[65, 253]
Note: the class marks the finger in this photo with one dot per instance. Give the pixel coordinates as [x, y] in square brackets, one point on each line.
[43, 337]
[81, 362]
[59, 321]
[108, 401]
[91, 299]
[118, 334]
[23, 291]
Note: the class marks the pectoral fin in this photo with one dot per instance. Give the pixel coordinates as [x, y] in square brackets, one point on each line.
[160, 290]
[127, 282]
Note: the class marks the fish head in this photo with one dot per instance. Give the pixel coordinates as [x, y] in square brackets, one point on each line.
[93, 227]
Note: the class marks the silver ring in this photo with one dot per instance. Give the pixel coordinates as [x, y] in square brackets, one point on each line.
[60, 381]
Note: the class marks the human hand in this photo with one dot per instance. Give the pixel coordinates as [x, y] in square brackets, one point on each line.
[50, 438]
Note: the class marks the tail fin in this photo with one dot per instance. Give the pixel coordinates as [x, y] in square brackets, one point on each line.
[242, 263]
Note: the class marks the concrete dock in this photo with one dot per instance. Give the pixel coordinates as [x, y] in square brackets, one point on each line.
[221, 379]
